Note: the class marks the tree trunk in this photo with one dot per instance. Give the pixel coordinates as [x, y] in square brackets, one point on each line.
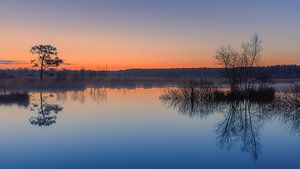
[42, 70]
[41, 74]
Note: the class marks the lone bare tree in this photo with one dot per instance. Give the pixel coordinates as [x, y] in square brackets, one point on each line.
[238, 64]
[250, 57]
[227, 57]
[46, 57]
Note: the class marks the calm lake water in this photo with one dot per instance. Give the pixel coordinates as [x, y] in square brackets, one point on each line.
[134, 128]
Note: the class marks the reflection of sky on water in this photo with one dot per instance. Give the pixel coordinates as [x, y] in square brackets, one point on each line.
[118, 128]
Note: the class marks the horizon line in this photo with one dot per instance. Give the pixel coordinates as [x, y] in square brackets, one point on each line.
[162, 68]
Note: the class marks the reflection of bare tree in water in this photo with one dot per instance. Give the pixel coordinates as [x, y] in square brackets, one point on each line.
[45, 113]
[287, 108]
[187, 102]
[243, 119]
[96, 94]
[61, 96]
[240, 125]
[78, 96]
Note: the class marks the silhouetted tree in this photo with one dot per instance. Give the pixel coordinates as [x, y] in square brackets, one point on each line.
[238, 65]
[250, 57]
[46, 57]
[227, 57]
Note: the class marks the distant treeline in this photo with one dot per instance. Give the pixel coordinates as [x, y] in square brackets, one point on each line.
[275, 72]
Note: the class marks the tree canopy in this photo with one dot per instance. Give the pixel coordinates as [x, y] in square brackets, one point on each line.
[46, 57]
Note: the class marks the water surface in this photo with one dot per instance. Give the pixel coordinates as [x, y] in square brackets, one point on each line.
[134, 128]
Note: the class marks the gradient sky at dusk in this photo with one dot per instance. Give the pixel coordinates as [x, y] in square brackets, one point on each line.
[146, 33]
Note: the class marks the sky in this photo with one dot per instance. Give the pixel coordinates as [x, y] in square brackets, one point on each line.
[123, 34]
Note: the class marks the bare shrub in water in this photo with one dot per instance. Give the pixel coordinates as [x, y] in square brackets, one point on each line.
[238, 64]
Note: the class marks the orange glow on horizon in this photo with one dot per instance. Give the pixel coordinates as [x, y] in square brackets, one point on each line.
[122, 52]
[112, 67]
[143, 64]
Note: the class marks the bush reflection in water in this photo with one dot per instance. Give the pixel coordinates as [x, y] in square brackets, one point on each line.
[242, 118]
[46, 105]
[46, 111]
